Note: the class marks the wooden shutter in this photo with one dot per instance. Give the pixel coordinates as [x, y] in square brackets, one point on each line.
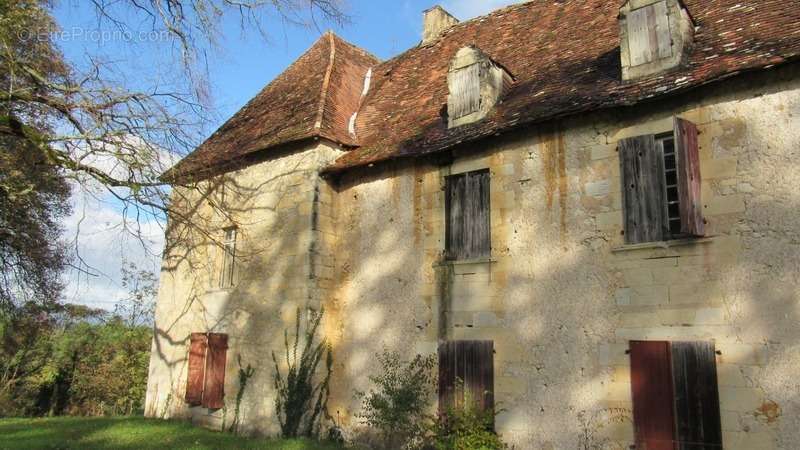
[214, 388]
[465, 91]
[642, 171]
[649, 36]
[694, 369]
[468, 221]
[472, 362]
[197, 361]
[651, 385]
[688, 162]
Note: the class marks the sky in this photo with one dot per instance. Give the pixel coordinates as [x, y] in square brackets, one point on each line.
[241, 65]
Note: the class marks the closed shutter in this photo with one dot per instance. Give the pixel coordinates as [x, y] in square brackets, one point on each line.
[213, 392]
[694, 370]
[468, 221]
[642, 170]
[688, 161]
[197, 360]
[651, 385]
[466, 371]
[465, 91]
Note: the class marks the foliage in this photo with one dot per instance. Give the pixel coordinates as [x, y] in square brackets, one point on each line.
[245, 373]
[466, 428]
[70, 362]
[300, 397]
[34, 198]
[71, 359]
[398, 403]
[132, 433]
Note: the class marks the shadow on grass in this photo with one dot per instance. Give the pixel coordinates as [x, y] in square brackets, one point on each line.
[130, 433]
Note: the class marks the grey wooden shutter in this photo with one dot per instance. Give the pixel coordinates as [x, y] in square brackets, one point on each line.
[468, 221]
[465, 91]
[651, 388]
[466, 367]
[694, 369]
[642, 171]
[688, 164]
[649, 36]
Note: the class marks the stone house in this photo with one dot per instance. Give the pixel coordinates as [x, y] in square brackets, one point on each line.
[594, 205]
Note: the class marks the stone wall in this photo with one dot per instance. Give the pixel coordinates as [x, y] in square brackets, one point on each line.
[280, 267]
[561, 295]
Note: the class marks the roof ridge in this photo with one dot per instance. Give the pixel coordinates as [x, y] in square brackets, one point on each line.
[493, 12]
[362, 50]
[460, 24]
[326, 82]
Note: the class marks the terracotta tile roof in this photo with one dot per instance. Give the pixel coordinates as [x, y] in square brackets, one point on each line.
[564, 56]
[314, 97]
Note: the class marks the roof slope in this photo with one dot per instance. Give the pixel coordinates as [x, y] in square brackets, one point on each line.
[314, 97]
[564, 56]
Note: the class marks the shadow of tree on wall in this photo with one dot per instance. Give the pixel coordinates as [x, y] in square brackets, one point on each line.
[558, 296]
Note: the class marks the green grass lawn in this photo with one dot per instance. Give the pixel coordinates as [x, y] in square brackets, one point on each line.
[129, 433]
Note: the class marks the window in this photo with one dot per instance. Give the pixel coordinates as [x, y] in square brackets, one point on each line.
[226, 279]
[661, 185]
[206, 375]
[675, 395]
[466, 367]
[467, 211]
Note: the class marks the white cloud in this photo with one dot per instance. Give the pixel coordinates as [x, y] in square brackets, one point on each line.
[467, 9]
[100, 231]
[97, 232]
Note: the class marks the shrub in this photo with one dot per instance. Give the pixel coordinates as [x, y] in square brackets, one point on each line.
[397, 406]
[466, 428]
[301, 399]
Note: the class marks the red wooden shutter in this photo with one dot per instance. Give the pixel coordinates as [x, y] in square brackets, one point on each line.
[197, 362]
[651, 384]
[214, 389]
[694, 370]
[642, 171]
[471, 362]
[688, 159]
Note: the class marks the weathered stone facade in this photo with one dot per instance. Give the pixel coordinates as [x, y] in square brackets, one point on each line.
[561, 295]
[283, 262]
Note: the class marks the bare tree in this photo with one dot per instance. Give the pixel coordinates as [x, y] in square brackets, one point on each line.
[91, 127]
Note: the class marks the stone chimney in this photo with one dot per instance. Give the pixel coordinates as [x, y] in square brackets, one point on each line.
[434, 21]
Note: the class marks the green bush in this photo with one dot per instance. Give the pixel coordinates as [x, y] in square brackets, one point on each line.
[466, 429]
[67, 363]
[397, 406]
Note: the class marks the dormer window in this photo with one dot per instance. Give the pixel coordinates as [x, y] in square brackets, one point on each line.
[655, 36]
[475, 85]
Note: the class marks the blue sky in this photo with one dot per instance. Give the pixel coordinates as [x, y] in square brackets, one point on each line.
[241, 66]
